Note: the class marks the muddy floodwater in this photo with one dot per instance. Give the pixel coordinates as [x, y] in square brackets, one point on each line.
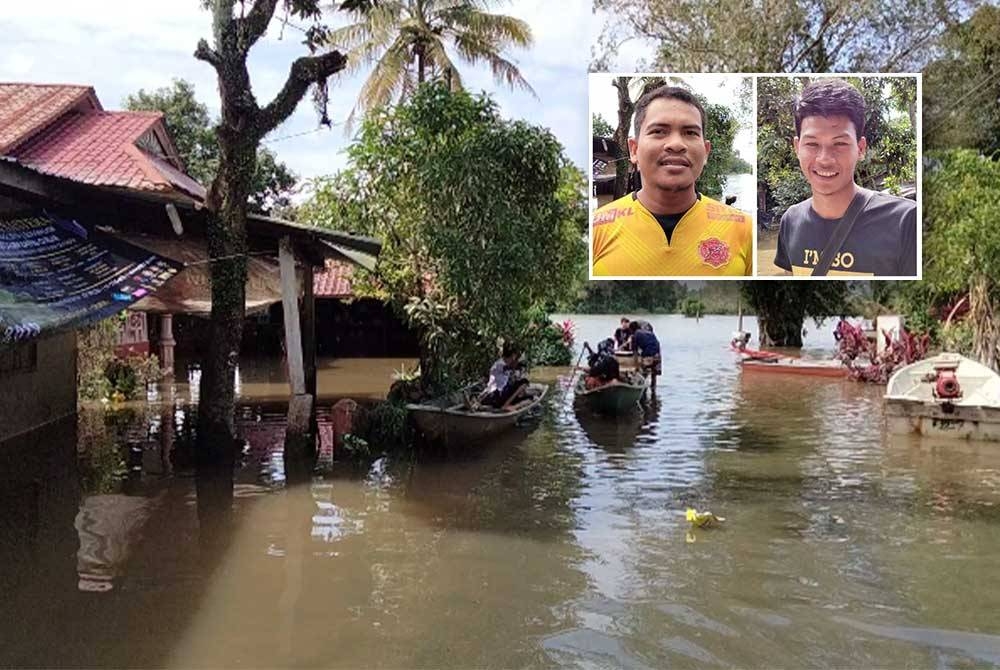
[564, 544]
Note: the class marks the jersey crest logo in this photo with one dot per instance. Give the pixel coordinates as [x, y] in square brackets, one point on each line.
[714, 252]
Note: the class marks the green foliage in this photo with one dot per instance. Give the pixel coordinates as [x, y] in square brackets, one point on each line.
[779, 35]
[631, 297]
[961, 88]
[404, 42]
[357, 448]
[193, 133]
[692, 307]
[891, 155]
[387, 427]
[477, 223]
[547, 343]
[99, 375]
[601, 126]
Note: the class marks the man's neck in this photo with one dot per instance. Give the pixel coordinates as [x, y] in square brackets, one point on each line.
[658, 201]
[833, 205]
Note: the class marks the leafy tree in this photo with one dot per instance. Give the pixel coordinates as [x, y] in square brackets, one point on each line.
[193, 132]
[962, 241]
[478, 226]
[601, 127]
[781, 35]
[783, 306]
[241, 127]
[692, 307]
[962, 87]
[406, 41]
[626, 297]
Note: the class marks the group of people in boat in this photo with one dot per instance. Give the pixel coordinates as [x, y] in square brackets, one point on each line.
[633, 337]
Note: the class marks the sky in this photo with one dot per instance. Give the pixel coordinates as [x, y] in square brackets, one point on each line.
[121, 46]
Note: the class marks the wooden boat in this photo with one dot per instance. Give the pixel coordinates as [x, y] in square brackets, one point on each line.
[946, 395]
[796, 366]
[767, 361]
[448, 419]
[614, 398]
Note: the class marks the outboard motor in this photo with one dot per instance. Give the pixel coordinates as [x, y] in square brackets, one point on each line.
[946, 386]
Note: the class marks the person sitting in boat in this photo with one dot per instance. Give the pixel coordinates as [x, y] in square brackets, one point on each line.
[507, 385]
[646, 347]
[622, 336]
[602, 365]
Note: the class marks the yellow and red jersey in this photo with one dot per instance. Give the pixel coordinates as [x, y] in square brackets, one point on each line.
[711, 239]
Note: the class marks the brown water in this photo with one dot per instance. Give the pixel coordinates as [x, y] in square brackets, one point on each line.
[563, 544]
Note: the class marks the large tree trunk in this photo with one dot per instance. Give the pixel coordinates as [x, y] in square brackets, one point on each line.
[625, 109]
[227, 248]
[242, 126]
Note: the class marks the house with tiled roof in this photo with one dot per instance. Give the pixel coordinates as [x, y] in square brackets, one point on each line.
[96, 213]
[62, 131]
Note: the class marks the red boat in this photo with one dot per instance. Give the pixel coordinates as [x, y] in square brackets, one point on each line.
[768, 361]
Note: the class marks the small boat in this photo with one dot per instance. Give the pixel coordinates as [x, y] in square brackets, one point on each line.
[448, 419]
[614, 398]
[767, 361]
[796, 366]
[946, 395]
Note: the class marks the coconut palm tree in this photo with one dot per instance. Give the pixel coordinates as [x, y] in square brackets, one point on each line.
[406, 42]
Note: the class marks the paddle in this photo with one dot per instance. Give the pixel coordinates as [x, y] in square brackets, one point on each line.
[583, 350]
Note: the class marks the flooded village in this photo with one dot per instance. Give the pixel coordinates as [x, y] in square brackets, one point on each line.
[304, 366]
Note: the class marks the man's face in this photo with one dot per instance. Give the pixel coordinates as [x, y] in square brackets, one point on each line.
[670, 150]
[828, 148]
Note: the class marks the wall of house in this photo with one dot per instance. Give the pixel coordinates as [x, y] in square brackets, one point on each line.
[37, 383]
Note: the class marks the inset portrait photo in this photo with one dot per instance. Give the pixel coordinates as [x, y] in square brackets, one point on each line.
[838, 184]
[672, 188]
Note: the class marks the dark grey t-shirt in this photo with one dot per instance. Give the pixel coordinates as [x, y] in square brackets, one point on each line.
[883, 241]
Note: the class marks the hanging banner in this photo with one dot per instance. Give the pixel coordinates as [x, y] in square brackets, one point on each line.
[54, 275]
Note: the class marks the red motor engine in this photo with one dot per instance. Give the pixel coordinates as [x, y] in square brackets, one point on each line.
[946, 386]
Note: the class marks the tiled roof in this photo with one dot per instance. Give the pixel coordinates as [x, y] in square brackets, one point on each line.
[99, 148]
[26, 109]
[334, 281]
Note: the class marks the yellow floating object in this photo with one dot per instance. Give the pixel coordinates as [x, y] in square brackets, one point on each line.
[703, 519]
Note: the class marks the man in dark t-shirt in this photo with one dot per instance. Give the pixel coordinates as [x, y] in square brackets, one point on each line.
[829, 142]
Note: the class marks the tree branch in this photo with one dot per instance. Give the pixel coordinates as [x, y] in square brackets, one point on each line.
[304, 72]
[207, 54]
[255, 24]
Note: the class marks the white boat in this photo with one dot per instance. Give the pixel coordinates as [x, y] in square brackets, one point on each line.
[947, 395]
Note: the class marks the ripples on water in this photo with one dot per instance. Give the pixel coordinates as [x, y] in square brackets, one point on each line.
[565, 545]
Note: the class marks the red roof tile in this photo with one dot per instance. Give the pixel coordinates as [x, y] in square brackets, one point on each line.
[100, 148]
[25, 109]
[334, 281]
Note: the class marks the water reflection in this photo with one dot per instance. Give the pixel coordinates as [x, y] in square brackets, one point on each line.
[563, 545]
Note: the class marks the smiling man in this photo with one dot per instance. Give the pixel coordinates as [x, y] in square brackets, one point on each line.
[667, 228]
[842, 229]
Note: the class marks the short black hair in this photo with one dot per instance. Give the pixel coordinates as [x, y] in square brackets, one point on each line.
[674, 92]
[830, 97]
[510, 349]
[624, 319]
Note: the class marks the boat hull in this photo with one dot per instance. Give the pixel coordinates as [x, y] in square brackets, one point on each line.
[906, 417]
[448, 423]
[797, 366]
[611, 399]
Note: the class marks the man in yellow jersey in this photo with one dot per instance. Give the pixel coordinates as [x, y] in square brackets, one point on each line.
[667, 228]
